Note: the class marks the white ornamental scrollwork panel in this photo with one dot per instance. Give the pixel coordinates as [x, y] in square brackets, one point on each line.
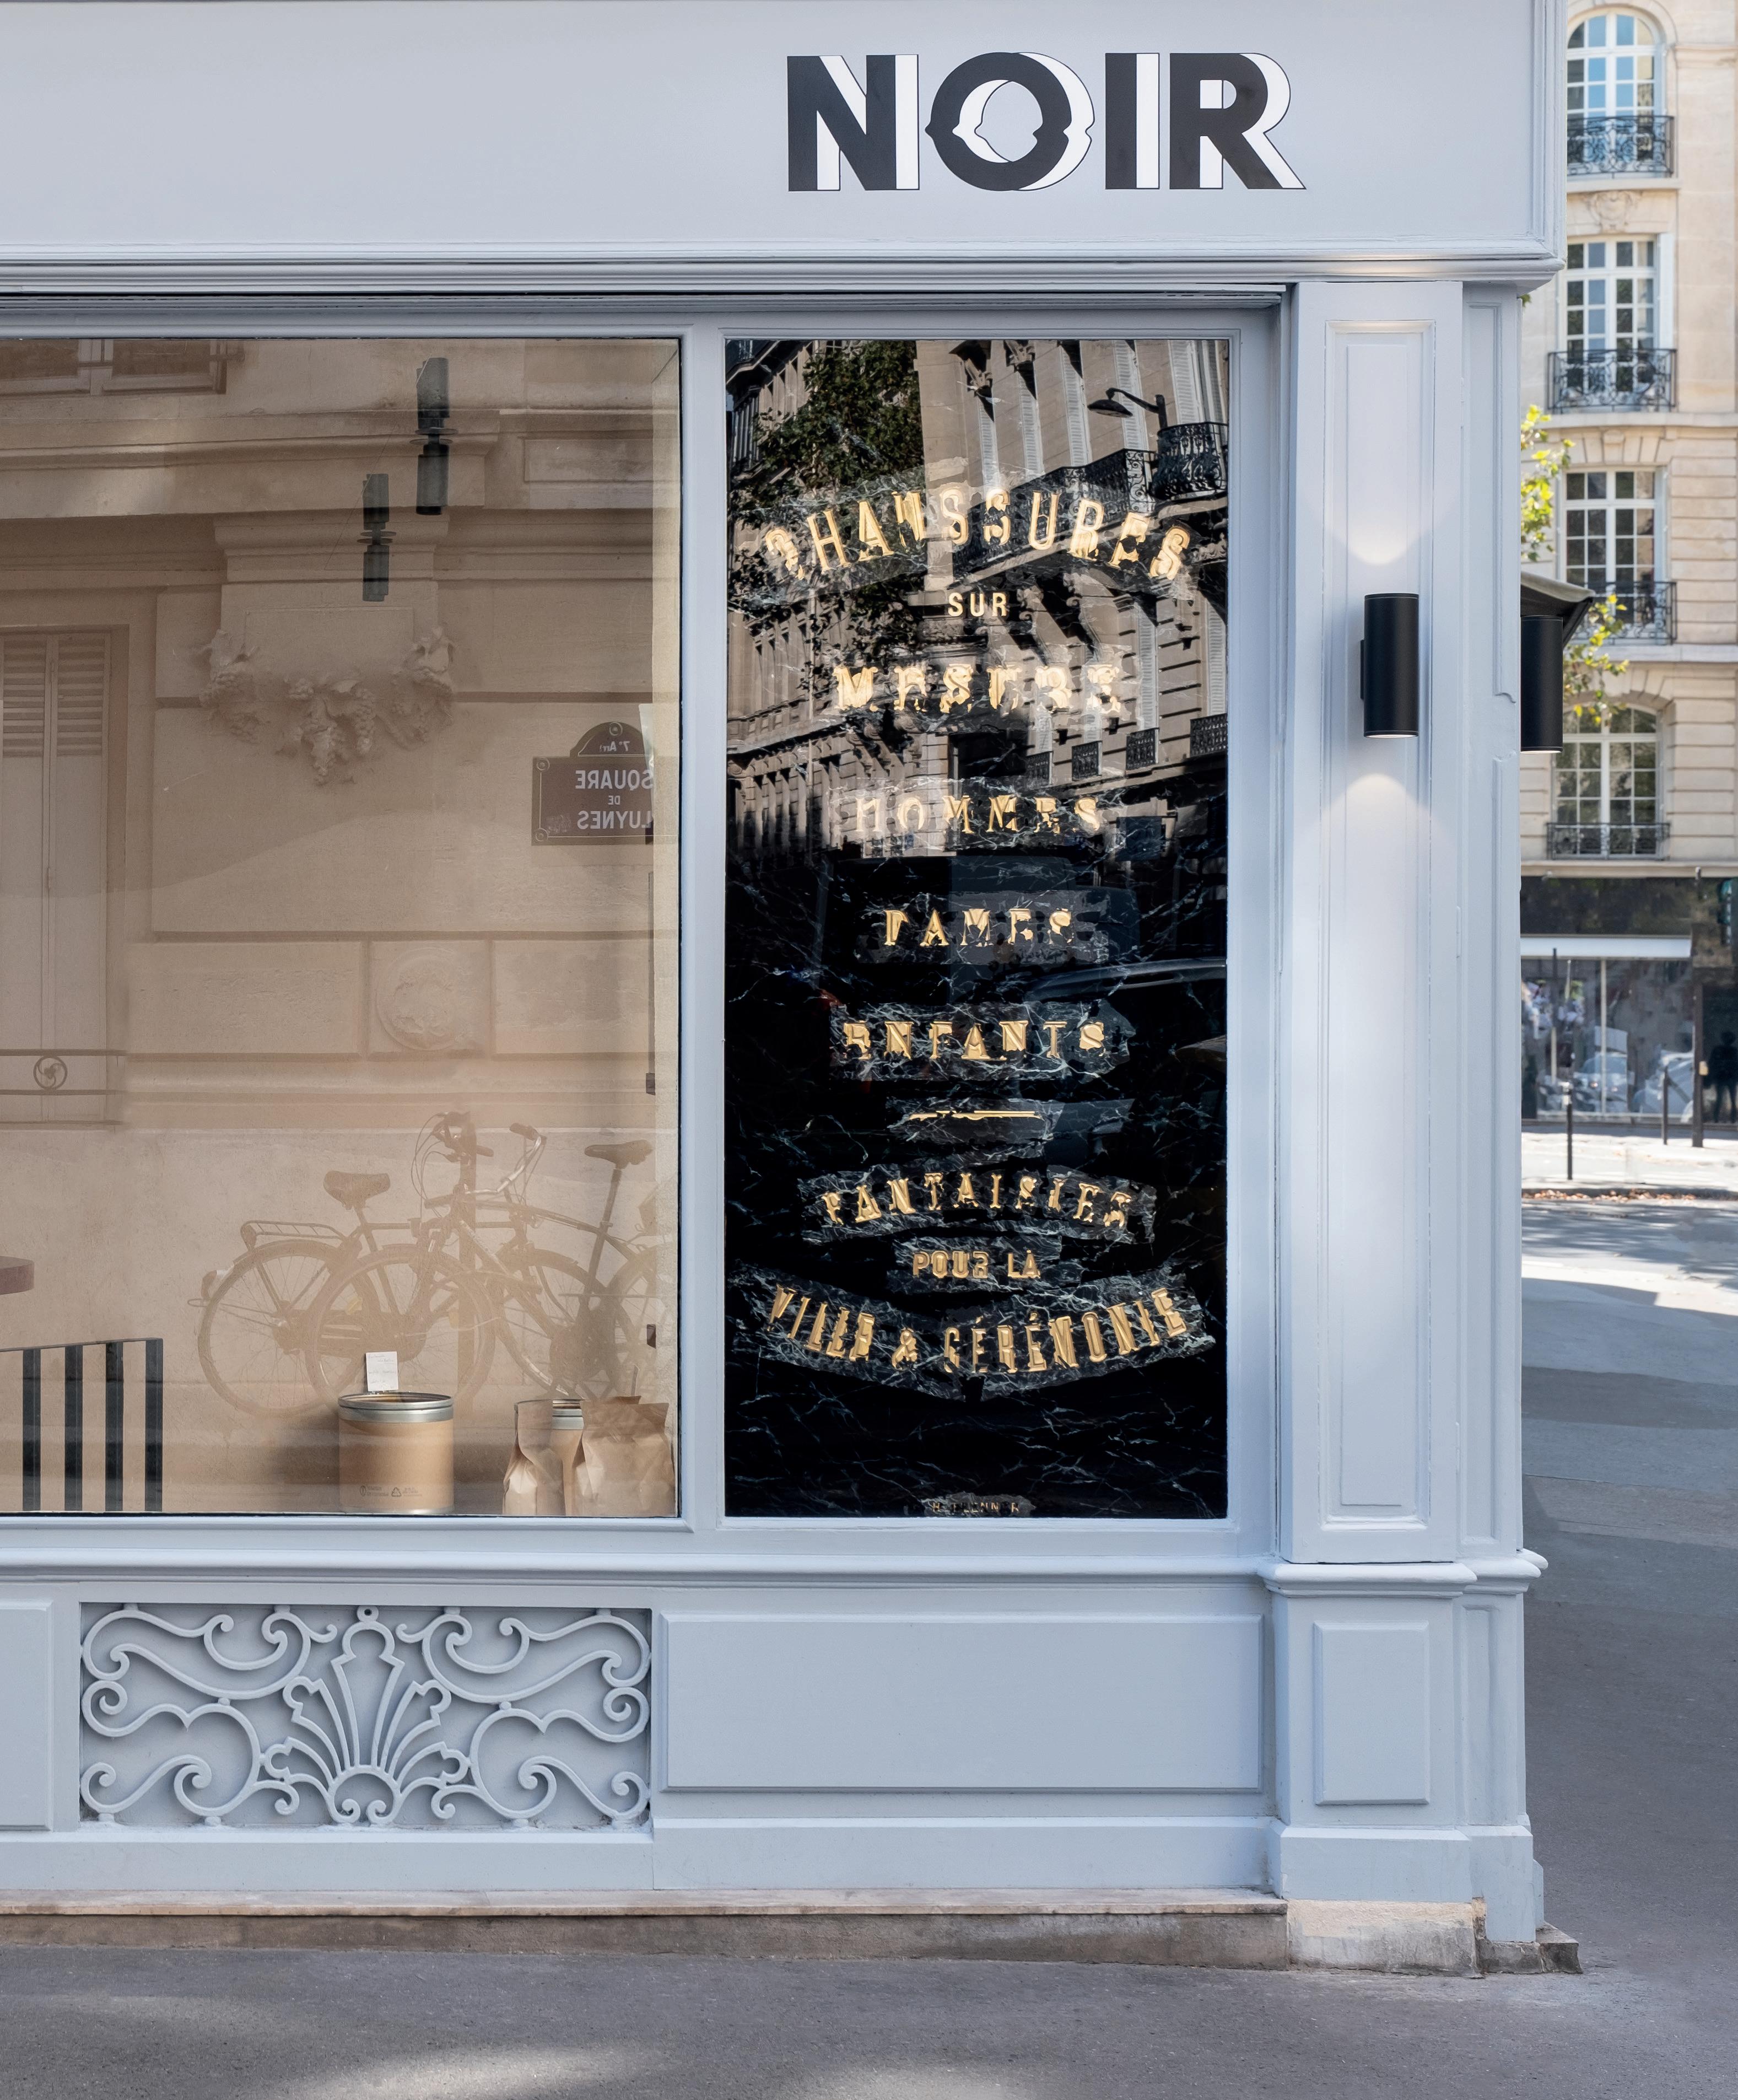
[365, 1717]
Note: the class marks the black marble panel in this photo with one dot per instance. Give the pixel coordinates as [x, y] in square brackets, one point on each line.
[975, 1023]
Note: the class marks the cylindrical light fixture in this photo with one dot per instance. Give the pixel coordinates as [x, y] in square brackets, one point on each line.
[1390, 663]
[1542, 682]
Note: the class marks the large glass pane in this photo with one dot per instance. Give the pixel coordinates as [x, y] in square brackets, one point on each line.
[976, 1033]
[338, 912]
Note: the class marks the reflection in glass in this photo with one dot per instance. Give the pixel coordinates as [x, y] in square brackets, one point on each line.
[337, 893]
[975, 1036]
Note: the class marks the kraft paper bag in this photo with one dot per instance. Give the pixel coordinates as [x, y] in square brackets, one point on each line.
[532, 1486]
[627, 1469]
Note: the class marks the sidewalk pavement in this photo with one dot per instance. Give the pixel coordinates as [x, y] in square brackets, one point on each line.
[1633, 1159]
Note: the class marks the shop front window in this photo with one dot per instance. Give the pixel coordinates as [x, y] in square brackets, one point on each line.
[337, 924]
[975, 1047]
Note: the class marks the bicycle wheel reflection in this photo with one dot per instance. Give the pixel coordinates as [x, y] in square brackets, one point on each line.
[435, 1317]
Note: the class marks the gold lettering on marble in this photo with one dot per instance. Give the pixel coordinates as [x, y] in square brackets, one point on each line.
[910, 679]
[955, 503]
[934, 932]
[819, 1330]
[862, 1339]
[1035, 1345]
[905, 1351]
[899, 1039]
[856, 688]
[1062, 1341]
[1095, 1336]
[1175, 1323]
[1123, 1330]
[1004, 1348]
[1083, 542]
[857, 1039]
[836, 1347]
[823, 529]
[996, 518]
[872, 543]
[899, 1196]
[959, 811]
[974, 1051]
[1087, 1191]
[1167, 563]
[867, 1206]
[782, 552]
[1046, 538]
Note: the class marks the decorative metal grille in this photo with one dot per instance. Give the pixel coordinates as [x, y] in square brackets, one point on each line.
[1208, 736]
[1085, 762]
[1606, 841]
[1142, 750]
[365, 1717]
[1632, 378]
[1639, 143]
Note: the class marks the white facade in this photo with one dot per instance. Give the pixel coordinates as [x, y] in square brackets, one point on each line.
[1319, 1692]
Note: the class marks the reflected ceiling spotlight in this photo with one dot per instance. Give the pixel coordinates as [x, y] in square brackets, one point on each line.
[434, 411]
[1109, 403]
[1388, 663]
[377, 560]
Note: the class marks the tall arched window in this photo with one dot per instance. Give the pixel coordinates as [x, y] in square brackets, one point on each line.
[1618, 120]
[1606, 802]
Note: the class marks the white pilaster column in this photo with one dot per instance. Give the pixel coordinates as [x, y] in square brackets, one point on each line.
[1397, 1591]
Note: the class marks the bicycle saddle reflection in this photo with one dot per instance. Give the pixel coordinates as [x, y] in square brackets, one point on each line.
[354, 1190]
[629, 1154]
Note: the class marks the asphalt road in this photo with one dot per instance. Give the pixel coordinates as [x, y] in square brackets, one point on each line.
[1632, 1404]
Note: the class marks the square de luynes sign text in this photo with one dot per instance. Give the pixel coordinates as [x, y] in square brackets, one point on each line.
[1219, 108]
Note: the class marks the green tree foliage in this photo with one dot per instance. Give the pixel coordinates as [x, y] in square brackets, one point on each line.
[1586, 662]
[858, 431]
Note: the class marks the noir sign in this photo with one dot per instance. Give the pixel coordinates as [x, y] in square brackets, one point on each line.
[602, 789]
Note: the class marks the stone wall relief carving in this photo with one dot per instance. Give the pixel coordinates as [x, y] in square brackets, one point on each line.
[360, 1717]
[337, 718]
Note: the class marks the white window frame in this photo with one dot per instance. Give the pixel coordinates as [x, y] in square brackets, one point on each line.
[701, 1538]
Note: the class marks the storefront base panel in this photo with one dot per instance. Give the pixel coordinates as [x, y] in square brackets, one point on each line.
[1361, 1866]
[964, 1852]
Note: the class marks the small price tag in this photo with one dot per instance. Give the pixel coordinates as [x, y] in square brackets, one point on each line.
[380, 1370]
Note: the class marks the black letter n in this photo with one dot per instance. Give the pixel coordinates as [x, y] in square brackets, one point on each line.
[860, 123]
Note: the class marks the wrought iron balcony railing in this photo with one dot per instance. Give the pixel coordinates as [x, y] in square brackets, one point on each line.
[1189, 460]
[1606, 841]
[1647, 610]
[1639, 143]
[1632, 379]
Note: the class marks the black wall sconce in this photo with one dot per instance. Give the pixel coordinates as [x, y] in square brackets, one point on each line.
[1542, 682]
[434, 411]
[1550, 612]
[376, 559]
[1388, 659]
